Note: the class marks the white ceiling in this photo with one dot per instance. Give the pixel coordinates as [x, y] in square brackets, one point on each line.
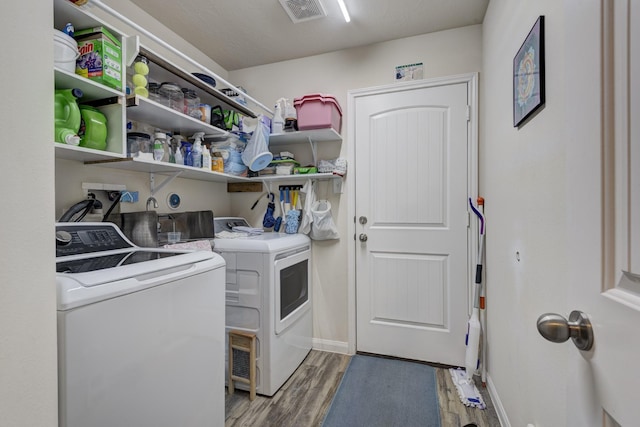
[244, 33]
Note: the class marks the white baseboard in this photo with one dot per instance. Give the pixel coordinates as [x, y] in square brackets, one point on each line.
[497, 404]
[330, 346]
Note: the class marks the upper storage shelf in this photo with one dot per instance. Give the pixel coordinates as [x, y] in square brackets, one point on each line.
[147, 111]
[163, 70]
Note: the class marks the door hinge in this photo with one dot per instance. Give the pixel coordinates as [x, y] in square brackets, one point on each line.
[468, 112]
[468, 220]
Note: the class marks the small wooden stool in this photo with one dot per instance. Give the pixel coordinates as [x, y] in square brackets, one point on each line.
[244, 370]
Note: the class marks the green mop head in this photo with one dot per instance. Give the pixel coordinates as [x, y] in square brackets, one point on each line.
[467, 390]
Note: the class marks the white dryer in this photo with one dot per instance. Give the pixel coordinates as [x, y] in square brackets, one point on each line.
[268, 292]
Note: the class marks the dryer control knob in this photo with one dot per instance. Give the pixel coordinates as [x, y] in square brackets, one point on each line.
[63, 238]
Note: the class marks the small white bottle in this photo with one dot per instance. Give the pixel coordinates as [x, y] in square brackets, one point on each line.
[197, 149]
[290, 117]
[277, 124]
[206, 158]
[179, 156]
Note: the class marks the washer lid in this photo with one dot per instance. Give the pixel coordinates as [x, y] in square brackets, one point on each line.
[75, 289]
[105, 260]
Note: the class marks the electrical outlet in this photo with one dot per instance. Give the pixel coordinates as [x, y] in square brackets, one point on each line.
[129, 197]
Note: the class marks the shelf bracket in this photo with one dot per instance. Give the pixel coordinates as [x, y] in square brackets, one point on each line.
[168, 180]
[314, 151]
[105, 101]
[132, 101]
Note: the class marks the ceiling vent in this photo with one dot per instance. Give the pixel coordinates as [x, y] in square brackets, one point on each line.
[303, 10]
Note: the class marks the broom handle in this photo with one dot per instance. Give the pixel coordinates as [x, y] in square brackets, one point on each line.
[483, 313]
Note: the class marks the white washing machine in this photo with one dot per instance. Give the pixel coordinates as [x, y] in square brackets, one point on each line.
[268, 292]
[140, 332]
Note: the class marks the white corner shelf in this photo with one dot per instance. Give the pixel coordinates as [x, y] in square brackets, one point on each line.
[311, 137]
[297, 177]
[304, 136]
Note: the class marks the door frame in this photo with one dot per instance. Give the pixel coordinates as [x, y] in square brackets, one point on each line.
[471, 79]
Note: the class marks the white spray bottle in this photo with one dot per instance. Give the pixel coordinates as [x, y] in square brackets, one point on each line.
[197, 149]
[290, 116]
[277, 124]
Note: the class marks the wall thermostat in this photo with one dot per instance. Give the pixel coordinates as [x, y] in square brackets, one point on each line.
[173, 200]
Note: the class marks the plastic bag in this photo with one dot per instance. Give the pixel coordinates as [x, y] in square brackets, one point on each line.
[230, 151]
[309, 200]
[256, 154]
[323, 227]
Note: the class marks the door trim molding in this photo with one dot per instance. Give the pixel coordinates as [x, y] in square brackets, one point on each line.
[471, 79]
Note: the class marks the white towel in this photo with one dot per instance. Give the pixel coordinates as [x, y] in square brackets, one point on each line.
[309, 200]
[199, 245]
[231, 235]
[250, 230]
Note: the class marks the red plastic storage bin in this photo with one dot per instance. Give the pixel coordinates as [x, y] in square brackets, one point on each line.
[318, 111]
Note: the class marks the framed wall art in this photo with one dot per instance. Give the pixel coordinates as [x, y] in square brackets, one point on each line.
[528, 75]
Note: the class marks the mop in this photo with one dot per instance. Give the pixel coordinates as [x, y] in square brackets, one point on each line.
[463, 378]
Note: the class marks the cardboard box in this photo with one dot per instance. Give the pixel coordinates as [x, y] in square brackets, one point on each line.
[100, 56]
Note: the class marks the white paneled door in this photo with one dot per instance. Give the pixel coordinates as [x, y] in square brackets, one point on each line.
[603, 198]
[412, 165]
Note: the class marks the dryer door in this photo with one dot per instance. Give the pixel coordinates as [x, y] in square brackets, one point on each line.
[292, 289]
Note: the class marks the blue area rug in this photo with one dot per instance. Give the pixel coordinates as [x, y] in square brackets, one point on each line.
[375, 391]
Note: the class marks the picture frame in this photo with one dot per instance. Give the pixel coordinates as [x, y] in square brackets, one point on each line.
[528, 75]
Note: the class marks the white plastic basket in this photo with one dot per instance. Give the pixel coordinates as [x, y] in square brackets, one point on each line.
[65, 51]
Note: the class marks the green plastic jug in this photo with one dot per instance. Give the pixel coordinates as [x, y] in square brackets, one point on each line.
[93, 128]
[67, 116]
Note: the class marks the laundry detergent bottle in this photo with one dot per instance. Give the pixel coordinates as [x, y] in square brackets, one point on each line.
[67, 116]
[93, 128]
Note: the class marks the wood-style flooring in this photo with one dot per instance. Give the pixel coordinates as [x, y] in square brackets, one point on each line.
[305, 398]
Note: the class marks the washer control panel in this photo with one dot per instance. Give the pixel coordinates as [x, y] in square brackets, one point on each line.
[76, 238]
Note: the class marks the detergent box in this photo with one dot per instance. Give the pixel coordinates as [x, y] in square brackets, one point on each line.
[100, 56]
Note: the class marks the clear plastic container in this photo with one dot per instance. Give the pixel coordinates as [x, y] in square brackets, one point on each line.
[173, 94]
[154, 93]
[138, 142]
[140, 76]
[191, 103]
